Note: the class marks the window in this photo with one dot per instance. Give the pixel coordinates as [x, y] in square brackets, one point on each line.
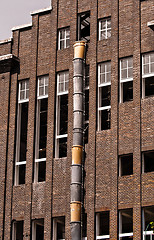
[63, 38]
[102, 225]
[84, 26]
[147, 75]
[126, 79]
[86, 123]
[41, 129]
[38, 229]
[104, 95]
[17, 230]
[126, 165]
[22, 123]
[125, 224]
[58, 228]
[84, 226]
[148, 161]
[61, 114]
[148, 223]
[104, 29]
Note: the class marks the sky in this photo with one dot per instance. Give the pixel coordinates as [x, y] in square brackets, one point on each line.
[17, 12]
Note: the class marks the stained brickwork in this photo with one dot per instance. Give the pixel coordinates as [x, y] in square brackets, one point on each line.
[132, 128]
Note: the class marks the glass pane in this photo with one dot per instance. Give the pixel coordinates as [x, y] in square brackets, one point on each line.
[22, 95]
[67, 43]
[108, 33]
[108, 67]
[108, 77]
[67, 33]
[22, 170]
[41, 176]
[130, 73]
[46, 80]
[146, 59]
[27, 93]
[41, 82]
[61, 87]
[22, 85]
[130, 62]
[102, 68]
[41, 91]
[124, 74]
[27, 84]
[108, 23]
[66, 86]
[46, 90]
[103, 35]
[61, 78]
[105, 96]
[102, 78]
[152, 68]
[123, 63]
[146, 69]
[103, 24]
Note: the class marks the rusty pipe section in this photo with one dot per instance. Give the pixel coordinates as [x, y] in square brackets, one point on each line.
[77, 149]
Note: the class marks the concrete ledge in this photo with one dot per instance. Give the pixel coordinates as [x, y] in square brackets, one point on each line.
[43, 10]
[9, 62]
[6, 41]
[150, 24]
[22, 27]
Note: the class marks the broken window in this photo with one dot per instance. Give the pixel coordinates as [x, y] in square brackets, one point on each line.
[17, 230]
[102, 225]
[126, 165]
[41, 129]
[104, 29]
[126, 224]
[147, 75]
[22, 123]
[148, 161]
[38, 229]
[104, 96]
[84, 26]
[148, 223]
[86, 123]
[63, 38]
[58, 228]
[61, 114]
[126, 79]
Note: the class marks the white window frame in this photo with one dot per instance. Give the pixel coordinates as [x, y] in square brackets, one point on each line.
[63, 39]
[20, 102]
[34, 223]
[54, 234]
[58, 136]
[14, 229]
[39, 97]
[124, 80]
[106, 30]
[122, 235]
[146, 233]
[100, 85]
[98, 227]
[146, 75]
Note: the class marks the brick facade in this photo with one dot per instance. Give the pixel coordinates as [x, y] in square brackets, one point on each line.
[132, 128]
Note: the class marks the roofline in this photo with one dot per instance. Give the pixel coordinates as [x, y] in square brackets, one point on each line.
[41, 11]
[6, 40]
[21, 27]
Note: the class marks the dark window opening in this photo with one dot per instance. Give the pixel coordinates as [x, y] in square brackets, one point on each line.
[38, 229]
[102, 223]
[148, 161]
[23, 131]
[149, 86]
[148, 218]
[22, 171]
[106, 96]
[41, 171]
[63, 114]
[62, 147]
[84, 26]
[127, 91]
[84, 226]
[43, 127]
[18, 230]
[126, 165]
[58, 228]
[105, 119]
[126, 223]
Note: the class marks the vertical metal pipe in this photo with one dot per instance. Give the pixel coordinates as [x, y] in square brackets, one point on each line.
[77, 149]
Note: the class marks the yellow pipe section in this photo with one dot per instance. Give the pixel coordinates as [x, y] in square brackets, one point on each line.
[77, 154]
[79, 49]
[75, 211]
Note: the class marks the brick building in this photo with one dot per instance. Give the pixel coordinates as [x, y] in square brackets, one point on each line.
[36, 122]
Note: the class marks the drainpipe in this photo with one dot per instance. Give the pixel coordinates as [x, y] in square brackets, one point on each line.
[77, 149]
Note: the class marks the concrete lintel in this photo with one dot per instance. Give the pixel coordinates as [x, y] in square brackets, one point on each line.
[6, 40]
[150, 24]
[43, 10]
[21, 27]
